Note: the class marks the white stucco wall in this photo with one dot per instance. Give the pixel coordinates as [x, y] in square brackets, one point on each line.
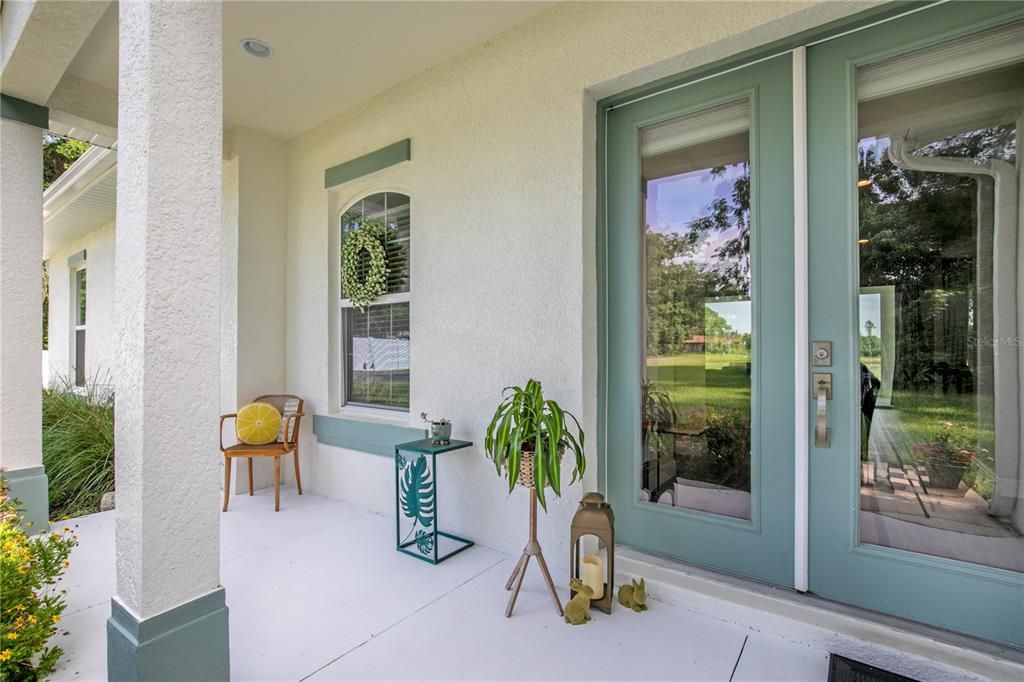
[99, 335]
[252, 278]
[503, 188]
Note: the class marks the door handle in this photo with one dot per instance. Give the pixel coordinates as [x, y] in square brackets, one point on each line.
[821, 431]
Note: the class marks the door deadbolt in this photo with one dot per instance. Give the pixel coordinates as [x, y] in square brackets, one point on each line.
[821, 353]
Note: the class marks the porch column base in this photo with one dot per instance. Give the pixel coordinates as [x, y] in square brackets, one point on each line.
[30, 487]
[189, 642]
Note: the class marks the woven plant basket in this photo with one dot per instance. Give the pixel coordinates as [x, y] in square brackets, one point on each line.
[526, 468]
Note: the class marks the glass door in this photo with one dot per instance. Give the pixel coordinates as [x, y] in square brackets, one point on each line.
[698, 291]
[915, 277]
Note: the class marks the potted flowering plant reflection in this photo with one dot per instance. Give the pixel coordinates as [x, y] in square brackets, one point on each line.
[948, 455]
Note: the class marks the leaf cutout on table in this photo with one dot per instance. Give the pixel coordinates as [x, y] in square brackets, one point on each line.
[416, 493]
[424, 542]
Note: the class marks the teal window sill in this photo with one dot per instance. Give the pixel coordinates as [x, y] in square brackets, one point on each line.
[366, 436]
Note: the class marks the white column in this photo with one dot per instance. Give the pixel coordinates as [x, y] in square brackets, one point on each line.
[21, 261]
[167, 282]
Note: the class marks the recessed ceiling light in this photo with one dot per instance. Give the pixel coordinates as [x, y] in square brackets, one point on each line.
[257, 48]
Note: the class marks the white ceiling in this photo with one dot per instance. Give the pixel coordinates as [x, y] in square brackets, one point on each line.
[329, 56]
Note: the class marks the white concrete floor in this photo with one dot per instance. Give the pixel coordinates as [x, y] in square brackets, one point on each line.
[317, 591]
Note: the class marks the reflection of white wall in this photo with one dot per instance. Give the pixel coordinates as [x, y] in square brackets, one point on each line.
[381, 355]
[878, 304]
[714, 499]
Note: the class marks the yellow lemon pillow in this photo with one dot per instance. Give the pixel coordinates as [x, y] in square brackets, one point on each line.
[258, 424]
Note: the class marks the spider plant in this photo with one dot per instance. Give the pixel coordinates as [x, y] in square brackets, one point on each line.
[525, 424]
[658, 413]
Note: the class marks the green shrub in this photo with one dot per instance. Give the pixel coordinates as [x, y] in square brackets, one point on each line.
[728, 459]
[30, 569]
[78, 448]
[720, 454]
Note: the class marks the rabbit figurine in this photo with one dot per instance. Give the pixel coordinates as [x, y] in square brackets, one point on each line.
[577, 610]
[634, 596]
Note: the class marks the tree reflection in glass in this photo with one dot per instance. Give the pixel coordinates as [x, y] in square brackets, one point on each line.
[696, 396]
[940, 453]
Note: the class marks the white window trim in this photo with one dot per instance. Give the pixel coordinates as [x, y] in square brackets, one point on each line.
[74, 327]
[341, 198]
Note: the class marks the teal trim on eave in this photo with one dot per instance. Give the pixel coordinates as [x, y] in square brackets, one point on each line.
[368, 163]
[189, 642]
[30, 487]
[76, 258]
[371, 437]
[14, 109]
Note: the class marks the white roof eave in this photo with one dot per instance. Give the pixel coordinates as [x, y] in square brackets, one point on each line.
[81, 200]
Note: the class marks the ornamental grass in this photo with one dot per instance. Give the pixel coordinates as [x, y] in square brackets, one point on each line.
[78, 447]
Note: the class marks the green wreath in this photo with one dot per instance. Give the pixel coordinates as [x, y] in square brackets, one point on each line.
[364, 279]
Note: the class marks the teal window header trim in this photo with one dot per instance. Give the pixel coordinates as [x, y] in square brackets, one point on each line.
[833, 28]
[371, 437]
[14, 109]
[368, 163]
[76, 258]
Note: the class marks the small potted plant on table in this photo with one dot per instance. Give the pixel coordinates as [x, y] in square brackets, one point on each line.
[526, 440]
[440, 429]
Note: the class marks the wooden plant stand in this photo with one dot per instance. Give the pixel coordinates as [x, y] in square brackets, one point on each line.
[532, 549]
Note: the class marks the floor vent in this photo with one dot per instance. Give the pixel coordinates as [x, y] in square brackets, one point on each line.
[842, 669]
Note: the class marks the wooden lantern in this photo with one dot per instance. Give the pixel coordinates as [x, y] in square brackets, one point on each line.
[594, 517]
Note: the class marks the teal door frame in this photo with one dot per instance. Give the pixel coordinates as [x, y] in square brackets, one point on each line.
[761, 548]
[978, 600]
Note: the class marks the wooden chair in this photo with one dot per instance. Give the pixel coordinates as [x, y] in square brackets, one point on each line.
[290, 407]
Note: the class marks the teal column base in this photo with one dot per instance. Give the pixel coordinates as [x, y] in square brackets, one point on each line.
[30, 487]
[189, 642]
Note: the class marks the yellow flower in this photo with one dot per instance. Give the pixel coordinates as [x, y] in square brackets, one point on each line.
[67, 564]
[5, 655]
[56, 618]
[32, 619]
[12, 635]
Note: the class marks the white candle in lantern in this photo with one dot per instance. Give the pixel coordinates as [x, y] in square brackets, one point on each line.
[593, 574]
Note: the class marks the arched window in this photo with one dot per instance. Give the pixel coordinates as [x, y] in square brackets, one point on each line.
[375, 341]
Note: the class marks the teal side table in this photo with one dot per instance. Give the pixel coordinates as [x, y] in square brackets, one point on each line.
[416, 501]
